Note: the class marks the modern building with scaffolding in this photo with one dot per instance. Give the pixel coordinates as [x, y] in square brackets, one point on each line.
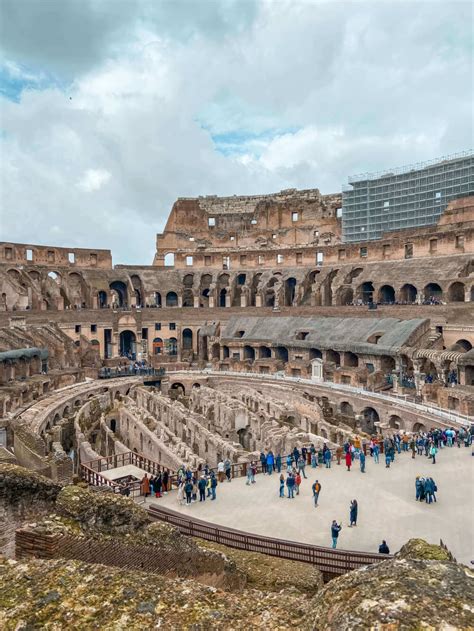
[407, 197]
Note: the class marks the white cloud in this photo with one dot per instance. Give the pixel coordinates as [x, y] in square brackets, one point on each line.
[304, 94]
[93, 179]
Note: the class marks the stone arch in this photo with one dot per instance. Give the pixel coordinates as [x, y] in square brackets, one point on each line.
[281, 352]
[102, 299]
[387, 363]
[386, 294]
[249, 352]
[254, 288]
[171, 299]
[138, 290]
[315, 353]
[178, 387]
[120, 293]
[354, 273]
[157, 346]
[350, 359]
[225, 352]
[408, 294]
[187, 337]
[395, 421]
[365, 292]
[456, 292]
[290, 290]
[205, 289]
[419, 427]
[369, 416]
[346, 409]
[157, 298]
[264, 352]
[169, 259]
[462, 346]
[172, 346]
[128, 344]
[333, 356]
[55, 277]
[433, 291]
[345, 296]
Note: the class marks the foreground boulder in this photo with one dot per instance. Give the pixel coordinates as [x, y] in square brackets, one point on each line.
[419, 589]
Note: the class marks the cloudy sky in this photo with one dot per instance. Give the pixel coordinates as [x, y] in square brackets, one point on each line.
[111, 109]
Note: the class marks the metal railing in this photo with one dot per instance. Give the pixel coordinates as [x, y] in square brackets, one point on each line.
[330, 562]
[394, 398]
[130, 371]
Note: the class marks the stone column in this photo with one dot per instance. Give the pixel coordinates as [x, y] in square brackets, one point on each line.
[196, 302]
[258, 300]
[227, 299]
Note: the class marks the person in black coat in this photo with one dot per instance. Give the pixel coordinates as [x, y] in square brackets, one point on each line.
[383, 548]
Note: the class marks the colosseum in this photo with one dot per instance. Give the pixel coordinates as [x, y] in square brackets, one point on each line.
[264, 324]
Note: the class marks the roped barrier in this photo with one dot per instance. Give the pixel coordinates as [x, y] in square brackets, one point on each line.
[330, 562]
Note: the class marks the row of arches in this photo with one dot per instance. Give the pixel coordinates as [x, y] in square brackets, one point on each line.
[407, 294]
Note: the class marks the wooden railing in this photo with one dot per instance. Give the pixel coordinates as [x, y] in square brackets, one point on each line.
[330, 562]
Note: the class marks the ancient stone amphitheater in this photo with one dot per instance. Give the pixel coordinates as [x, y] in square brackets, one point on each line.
[257, 327]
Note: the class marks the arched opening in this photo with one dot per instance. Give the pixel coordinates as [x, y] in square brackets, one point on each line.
[187, 340]
[395, 422]
[281, 353]
[315, 353]
[205, 289]
[351, 359]
[120, 293]
[249, 352]
[333, 356]
[102, 299]
[188, 297]
[244, 437]
[387, 364]
[254, 289]
[222, 297]
[408, 294]
[386, 295]
[419, 427]
[433, 293]
[456, 292]
[169, 259]
[347, 409]
[113, 425]
[128, 346]
[157, 346]
[172, 346]
[157, 299]
[462, 346]
[196, 385]
[54, 276]
[345, 296]
[369, 417]
[137, 289]
[179, 388]
[365, 292]
[290, 291]
[264, 352]
[171, 299]
[225, 352]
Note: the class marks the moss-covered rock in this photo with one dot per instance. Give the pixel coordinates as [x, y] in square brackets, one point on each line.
[74, 595]
[17, 483]
[402, 593]
[420, 549]
[271, 573]
[105, 512]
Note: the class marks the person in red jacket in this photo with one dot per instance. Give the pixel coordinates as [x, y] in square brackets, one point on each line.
[348, 460]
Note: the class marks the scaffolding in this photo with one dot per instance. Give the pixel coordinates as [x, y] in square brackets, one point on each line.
[407, 197]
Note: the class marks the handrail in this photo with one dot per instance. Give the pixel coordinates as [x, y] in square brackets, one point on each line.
[330, 562]
[393, 398]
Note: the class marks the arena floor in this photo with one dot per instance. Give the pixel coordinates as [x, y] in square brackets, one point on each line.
[386, 498]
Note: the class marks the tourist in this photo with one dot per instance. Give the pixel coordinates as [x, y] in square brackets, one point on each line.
[405, 441]
[158, 485]
[145, 486]
[208, 485]
[180, 494]
[433, 452]
[312, 454]
[383, 548]
[327, 456]
[430, 489]
[289, 461]
[362, 461]
[338, 454]
[282, 485]
[253, 470]
[270, 462]
[263, 462]
[228, 469]
[297, 482]
[213, 486]
[301, 465]
[412, 445]
[376, 452]
[316, 491]
[290, 484]
[166, 481]
[335, 530]
[221, 471]
[202, 488]
[353, 513]
[388, 458]
[278, 462]
[249, 474]
[348, 460]
[188, 490]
